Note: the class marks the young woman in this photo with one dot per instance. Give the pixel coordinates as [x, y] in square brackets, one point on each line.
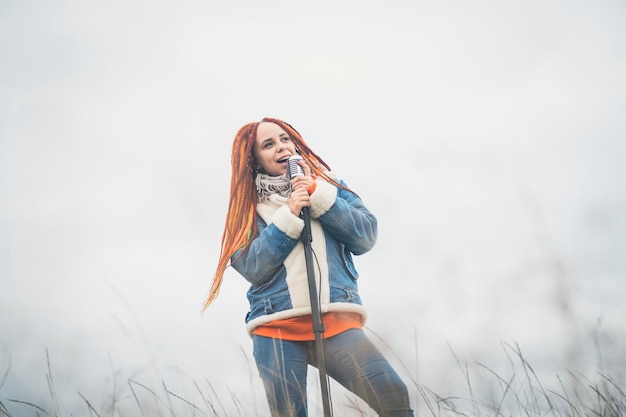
[262, 242]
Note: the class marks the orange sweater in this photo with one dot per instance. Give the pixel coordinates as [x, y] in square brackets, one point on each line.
[301, 328]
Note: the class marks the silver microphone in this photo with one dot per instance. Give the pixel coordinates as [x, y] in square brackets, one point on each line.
[294, 169]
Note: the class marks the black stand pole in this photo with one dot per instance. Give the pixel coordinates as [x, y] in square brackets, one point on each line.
[318, 325]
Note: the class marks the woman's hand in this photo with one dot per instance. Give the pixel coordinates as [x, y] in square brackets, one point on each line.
[298, 200]
[300, 186]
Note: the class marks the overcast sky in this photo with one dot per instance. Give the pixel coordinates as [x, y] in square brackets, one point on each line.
[488, 138]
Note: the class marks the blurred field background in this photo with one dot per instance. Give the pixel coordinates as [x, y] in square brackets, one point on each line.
[488, 138]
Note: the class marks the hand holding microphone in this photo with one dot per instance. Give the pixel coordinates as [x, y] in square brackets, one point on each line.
[301, 183]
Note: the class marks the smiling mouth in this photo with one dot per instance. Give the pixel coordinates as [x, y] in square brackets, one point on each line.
[283, 160]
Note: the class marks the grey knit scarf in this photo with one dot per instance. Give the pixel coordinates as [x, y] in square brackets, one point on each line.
[266, 185]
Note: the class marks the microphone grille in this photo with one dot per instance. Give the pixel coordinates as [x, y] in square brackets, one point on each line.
[294, 169]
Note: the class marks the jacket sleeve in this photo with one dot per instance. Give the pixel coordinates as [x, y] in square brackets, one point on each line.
[343, 215]
[273, 243]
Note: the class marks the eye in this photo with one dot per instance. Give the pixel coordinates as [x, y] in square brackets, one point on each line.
[285, 139]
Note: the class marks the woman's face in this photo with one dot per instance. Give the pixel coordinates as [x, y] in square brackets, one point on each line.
[272, 148]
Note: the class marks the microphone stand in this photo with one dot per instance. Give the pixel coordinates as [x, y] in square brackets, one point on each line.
[294, 170]
[318, 325]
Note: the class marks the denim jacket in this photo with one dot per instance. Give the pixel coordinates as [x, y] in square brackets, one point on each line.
[274, 263]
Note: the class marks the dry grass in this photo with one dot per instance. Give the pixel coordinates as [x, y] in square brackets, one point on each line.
[520, 392]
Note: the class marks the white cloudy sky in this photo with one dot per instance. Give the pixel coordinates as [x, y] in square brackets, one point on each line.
[487, 137]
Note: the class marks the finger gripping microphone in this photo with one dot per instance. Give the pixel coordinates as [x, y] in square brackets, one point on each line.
[294, 169]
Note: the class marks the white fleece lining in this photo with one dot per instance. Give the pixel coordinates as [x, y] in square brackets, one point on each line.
[322, 198]
[282, 218]
[335, 307]
[295, 264]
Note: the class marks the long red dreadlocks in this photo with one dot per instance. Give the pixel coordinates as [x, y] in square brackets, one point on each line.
[241, 226]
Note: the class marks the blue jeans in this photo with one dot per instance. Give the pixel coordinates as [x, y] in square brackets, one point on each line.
[351, 359]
